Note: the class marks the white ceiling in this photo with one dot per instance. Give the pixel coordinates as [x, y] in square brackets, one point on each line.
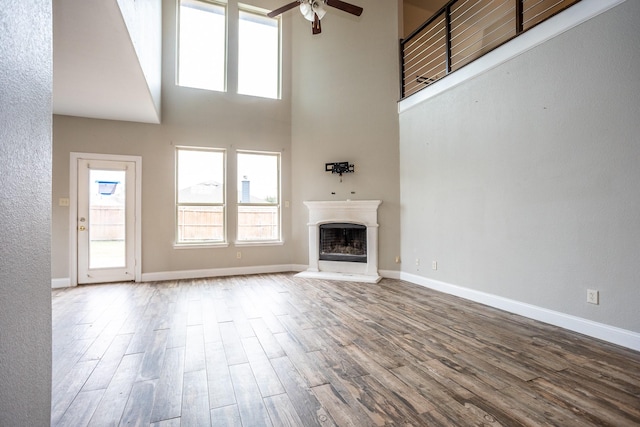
[96, 72]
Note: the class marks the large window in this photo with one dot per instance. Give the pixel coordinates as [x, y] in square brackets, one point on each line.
[202, 48]
[258, 55]
[258, 196]
[200, 196]
[205, 36]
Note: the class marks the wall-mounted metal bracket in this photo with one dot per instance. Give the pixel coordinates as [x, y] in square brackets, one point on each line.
[339, 168]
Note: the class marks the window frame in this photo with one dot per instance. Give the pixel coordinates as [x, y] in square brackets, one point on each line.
[278, 204]
[225, 42]
[243, 7]
[223, 205]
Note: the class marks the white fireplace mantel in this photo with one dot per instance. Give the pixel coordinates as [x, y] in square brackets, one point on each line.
[364, 212]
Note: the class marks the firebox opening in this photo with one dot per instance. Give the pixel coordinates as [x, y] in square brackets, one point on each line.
[343, 242]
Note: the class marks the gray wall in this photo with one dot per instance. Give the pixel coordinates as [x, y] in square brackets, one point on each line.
[523, 182]
[344, 108]
[25, 172]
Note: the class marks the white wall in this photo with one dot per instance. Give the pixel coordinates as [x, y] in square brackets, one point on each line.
[344, 108]
[25, 172]
[522, 182]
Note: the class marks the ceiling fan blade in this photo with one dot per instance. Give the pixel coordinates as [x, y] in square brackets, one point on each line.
[283, 9]
[347, 7]
[315, 25]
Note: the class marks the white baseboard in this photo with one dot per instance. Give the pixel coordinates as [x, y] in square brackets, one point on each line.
[390, 274]
[216, 272]
[63, 282]
[614, 335]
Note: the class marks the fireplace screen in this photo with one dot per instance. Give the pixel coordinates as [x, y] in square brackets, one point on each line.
[343, 242]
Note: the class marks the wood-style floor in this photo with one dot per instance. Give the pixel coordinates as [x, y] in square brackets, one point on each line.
[278, 350]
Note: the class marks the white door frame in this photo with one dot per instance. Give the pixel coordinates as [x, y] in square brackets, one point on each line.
[73, 210]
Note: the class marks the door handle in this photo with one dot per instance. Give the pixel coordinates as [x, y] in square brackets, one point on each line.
[82, 228]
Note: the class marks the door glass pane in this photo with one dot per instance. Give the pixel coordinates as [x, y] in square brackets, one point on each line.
[107, 219]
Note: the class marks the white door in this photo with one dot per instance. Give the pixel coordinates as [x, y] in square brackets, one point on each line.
[106, 221]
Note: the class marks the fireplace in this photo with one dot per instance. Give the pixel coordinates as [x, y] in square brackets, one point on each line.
[343, 240]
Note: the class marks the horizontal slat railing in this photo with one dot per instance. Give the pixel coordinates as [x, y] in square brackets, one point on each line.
[463, 31]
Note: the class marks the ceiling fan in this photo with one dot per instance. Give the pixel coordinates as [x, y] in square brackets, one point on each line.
[313, 10]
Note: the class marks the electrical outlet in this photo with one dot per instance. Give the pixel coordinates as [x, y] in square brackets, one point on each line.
[593, 296]
[238, 254]
[417, 261]
[434, 265]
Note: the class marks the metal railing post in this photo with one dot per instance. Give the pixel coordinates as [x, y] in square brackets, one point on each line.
[447, 17]
[519, 16]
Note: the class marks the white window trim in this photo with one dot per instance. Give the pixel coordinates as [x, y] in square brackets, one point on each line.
[271, 242]
[225, 5]
[202, 243]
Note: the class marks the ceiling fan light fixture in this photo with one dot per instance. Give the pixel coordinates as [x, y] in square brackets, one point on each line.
[306, 10]
[310, 8]
[318, 8]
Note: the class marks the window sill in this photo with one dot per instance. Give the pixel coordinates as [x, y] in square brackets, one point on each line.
[259, 243]
[200, 245]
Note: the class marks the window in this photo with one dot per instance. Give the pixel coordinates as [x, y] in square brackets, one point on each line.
[200, 196]
[203, 45]
[202, 49]
[258, 55]
[258, 197]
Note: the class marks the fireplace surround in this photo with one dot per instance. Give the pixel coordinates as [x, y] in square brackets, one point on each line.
[350, 215]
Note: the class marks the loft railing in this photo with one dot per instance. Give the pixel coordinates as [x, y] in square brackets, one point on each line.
[463, 31]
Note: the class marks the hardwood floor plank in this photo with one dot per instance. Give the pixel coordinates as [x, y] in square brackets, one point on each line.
[167, 403]
[109, 411]
[232, 344]
[218, 377]
[195, 400]
[81, 409]
[137, 411]
[65, 390]
[282, 412]
[178, 330]
[304, 401]
[265, 376]
[108, 364]
[154, 355]
[269, 343]
[194, 359]
[417, 402]
[307, 367]
[226, 416]
[210, 325]
[337, 407]
[250, 404]
[174, 422]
